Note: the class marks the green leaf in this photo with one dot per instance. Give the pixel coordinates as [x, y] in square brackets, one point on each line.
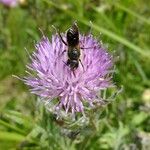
[12, 127]
[139, 118]
[10, 136]
[129, 11]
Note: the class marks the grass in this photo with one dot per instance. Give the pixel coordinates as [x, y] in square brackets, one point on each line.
[124, 28]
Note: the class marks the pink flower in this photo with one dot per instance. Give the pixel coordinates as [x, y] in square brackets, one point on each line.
[10, 3]
[52, 80]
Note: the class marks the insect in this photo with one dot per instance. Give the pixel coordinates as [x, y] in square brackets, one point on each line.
[73, 47]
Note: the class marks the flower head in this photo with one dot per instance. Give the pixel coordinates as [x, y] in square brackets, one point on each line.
[50, 78]
[10, 3]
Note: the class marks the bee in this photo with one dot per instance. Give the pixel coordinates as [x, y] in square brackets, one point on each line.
[73, 51]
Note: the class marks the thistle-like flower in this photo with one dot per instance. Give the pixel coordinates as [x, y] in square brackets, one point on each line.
[13, 3]
[10, 3]
[52, 80]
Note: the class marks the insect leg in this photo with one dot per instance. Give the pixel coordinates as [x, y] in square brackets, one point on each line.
[81, 63]
[65, 63]
[57, 31]
[63, 52]
[62, 39]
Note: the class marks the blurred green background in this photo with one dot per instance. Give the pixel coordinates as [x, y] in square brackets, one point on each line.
[124, 28]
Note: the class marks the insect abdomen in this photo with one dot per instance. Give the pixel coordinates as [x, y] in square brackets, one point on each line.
[73, 64]
[74, 54]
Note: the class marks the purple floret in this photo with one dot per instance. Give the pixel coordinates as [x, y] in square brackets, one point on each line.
[50, 78]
